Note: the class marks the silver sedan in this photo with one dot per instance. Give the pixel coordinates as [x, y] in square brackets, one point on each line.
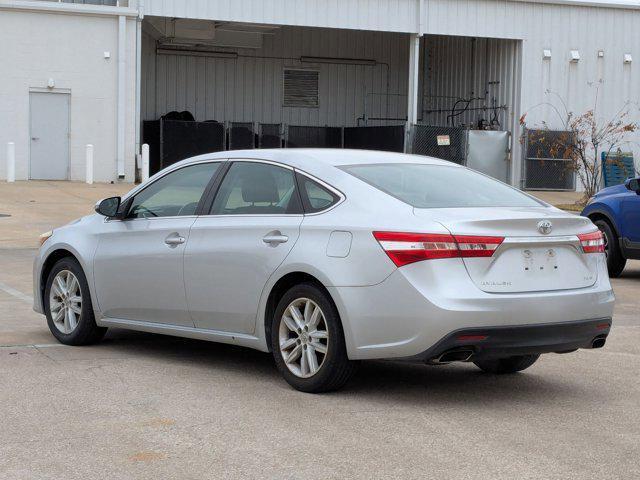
[327, 257]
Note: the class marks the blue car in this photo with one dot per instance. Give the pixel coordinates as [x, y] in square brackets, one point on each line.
[616, 212]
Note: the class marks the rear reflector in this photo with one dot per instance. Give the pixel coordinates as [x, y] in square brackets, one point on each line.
[472, 338]
[592, 242]
[405, 248]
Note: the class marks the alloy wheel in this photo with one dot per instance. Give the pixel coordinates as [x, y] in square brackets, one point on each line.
[303, 337]
[65, 301]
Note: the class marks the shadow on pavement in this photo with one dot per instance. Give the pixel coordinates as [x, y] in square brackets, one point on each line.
[375, 380]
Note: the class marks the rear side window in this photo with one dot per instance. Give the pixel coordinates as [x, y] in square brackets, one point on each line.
[440, 186]
[257, 189]
[315, 197]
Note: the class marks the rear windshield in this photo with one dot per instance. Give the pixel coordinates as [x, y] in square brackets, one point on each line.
[438, 186]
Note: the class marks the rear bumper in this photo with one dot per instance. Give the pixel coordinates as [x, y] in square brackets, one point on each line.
[504, 341]
[420, 304]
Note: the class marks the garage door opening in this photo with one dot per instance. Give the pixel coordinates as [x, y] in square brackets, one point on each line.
[469, 102]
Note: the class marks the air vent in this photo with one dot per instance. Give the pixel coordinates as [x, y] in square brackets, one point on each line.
[300, 88]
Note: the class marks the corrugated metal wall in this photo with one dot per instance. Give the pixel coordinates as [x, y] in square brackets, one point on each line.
[560, 28]
[459, 68]
[249, 88]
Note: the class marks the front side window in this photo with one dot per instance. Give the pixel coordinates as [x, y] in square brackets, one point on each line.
[176, 194]
[257, 189]
[440, 186]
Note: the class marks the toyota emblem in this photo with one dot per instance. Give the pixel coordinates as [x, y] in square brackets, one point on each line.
[545, 227]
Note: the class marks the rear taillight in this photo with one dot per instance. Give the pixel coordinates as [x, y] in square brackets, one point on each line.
[592, 242]
[404, 248]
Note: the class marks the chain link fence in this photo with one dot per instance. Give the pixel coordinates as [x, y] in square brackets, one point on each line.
[313, 137]
[241, 135]
[447, 143]
[270, 135]
[546, 164]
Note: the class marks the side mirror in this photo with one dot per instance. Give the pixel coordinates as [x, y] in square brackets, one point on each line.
[633, 184]
[108, 207]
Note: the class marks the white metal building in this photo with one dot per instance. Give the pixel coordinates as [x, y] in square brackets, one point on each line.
[90, 72]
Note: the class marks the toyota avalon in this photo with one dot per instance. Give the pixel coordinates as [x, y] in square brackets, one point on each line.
[328, 257]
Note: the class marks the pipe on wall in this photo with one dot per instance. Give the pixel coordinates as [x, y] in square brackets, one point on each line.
[121, 122]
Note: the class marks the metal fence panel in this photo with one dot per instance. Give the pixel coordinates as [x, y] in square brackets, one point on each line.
[388, 138]
[546, 164]
[180, 140]
[270, 135]
[447, 143]
[241, 135]
[314, 137]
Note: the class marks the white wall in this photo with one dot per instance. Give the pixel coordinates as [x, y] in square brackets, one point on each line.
[70, 49]
[249, 88]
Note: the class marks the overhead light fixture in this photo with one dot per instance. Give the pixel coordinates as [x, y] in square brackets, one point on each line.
[627, 58]
[193, 51]
[575, 56]
[546, 54]
[339, 60]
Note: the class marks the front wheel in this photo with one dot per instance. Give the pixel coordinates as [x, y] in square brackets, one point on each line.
[506, 364]
[68, 307]
[307, 341]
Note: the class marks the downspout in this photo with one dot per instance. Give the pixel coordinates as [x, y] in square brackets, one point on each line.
[138, 79]
[121, 121]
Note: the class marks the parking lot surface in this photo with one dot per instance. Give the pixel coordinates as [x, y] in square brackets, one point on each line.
[149, 406]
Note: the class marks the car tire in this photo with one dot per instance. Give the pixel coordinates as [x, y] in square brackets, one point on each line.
[76, 325]
[506, 364]
[323, 339]
[615, 260]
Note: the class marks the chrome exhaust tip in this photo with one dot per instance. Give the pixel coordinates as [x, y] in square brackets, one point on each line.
[598, 342]
[453, 356]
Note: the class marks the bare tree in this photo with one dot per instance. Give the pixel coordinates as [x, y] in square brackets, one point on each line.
[582, 139]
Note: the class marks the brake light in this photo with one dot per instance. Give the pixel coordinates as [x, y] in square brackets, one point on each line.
[592, 242]
[405, 248]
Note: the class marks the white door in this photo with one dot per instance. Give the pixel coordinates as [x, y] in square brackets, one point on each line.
[49, 143]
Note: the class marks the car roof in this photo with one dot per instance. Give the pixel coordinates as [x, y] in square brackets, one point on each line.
[304, 157]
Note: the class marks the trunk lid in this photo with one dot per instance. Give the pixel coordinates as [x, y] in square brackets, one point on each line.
[527, 260]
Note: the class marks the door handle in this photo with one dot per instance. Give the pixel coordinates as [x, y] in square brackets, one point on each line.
[275, 239]
[174, 240]
[35, 138]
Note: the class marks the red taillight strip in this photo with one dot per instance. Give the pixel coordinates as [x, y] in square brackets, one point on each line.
[474, 246]
[404, 248]
[592, 242]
